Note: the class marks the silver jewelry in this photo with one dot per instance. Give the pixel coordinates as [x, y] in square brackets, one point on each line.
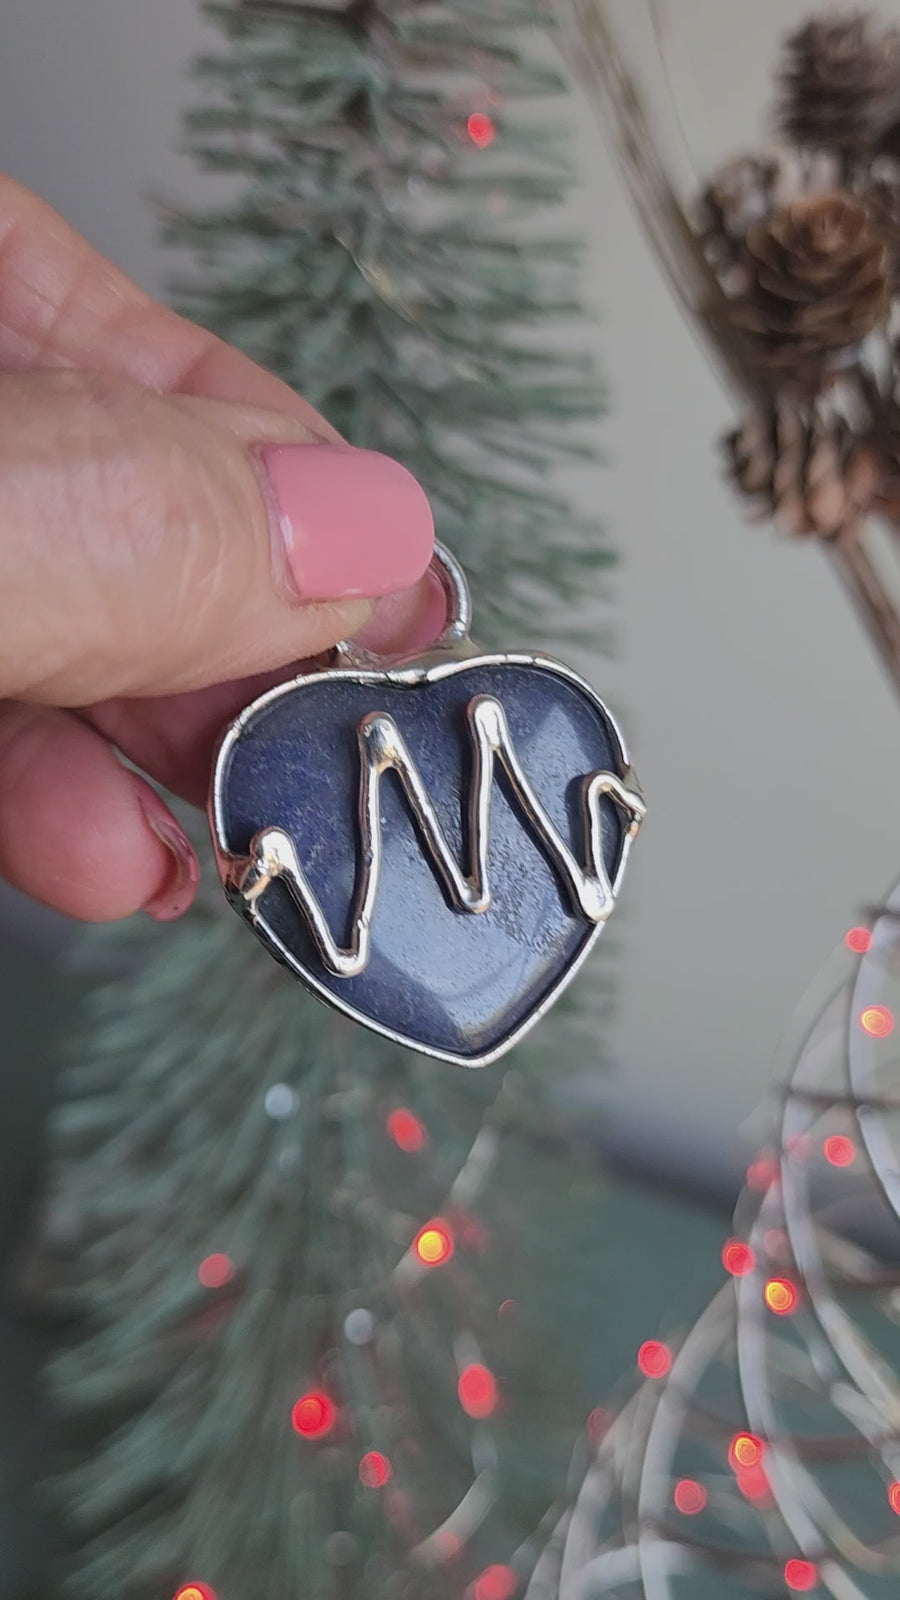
[432, 845]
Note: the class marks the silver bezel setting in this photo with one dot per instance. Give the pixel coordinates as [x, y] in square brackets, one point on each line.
[454, 654]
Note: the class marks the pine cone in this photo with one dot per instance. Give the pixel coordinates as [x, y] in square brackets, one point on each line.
[818, 285]
[738, 197]
[809, 475]
[882, 202]
[840, 84]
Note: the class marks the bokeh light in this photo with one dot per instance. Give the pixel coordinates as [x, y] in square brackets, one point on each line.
[481, 129]
[195, 1591]
[477, 1390]
[894, 1497]
[839, 1150]
[738, 1258]
[745, 1450]
[753, 1482]
[433, 1244]
[375, 1470]
[689, 1496]
[495, 1583]
[858, 940]
[781, 1296]
[314, 1415]
[406, 1130]
[654, 1359]
[801, 1576]
[216, 1270]
[877, 1021]
[762, 1173]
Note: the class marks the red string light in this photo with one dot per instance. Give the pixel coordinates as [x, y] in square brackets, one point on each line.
[839, 1150]
[745, 1450]
[598, 1424]
[482, 129]
[801, 1576]
[375, 1470]
[689, 1496]
[859, 940]
[654, 1359]
[738, 1258]
[894, 1497]
[753, 1483]
[877, 1021]
[216, 1270]
[762, 1173]
[781, 1296]
[477, 1390]
[195, 1591]
[496, 1583]
[407, 1132]
[433, 1244]
[314, 1415]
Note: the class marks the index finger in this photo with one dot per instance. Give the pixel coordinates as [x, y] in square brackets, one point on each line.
[63, 304]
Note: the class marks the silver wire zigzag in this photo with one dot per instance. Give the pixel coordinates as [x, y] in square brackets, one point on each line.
[382, 748]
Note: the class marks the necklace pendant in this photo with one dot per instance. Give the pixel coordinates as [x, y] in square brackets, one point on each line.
[431, 845]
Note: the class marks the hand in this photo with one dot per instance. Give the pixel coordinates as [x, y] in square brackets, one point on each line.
[177, 528]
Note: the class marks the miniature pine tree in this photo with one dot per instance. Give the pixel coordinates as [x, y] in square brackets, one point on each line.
[317, 1349]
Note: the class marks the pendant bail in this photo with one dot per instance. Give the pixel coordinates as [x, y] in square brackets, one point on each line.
[455, 631]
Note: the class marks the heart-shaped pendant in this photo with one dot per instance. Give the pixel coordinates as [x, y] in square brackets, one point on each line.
[431, 845]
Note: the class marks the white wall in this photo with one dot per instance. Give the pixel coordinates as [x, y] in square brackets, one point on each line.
[767, 742]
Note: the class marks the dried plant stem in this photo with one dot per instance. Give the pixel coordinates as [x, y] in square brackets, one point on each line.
[873, 603]
[600, 63]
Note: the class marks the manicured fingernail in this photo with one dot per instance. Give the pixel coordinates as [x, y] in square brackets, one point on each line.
[345, 522]
[406, 622]
[181, 873]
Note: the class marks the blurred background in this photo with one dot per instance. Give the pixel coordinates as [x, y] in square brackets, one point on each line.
[763, 732]
[736, 656]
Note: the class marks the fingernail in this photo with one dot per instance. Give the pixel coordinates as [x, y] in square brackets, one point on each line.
[182, 871]
[344, 522]
[406, 622]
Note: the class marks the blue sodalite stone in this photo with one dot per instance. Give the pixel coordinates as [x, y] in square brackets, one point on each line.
[454, 983]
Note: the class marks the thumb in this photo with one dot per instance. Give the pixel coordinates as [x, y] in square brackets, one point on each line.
[151, 545]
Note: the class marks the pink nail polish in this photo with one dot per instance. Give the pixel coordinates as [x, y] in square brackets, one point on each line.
[345, 522]
[179, 884]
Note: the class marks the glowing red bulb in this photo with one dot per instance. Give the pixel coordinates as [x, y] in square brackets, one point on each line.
[877, 1021]
[859, 940]
[496, 1583]
[745, 1450]
[215, 1271]
[753, 1482]
[598, 1424]
[781, 1296]
[433, 1244]
[839, 1150]
[195, 1591]
[762, 1173]
[477, 1390]
[689, 1497]
[654, 1359]
[738, 1258]
[314, 1415]
[407, 1132]
[375, 1470]
[801, 1576]
[482, 129]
